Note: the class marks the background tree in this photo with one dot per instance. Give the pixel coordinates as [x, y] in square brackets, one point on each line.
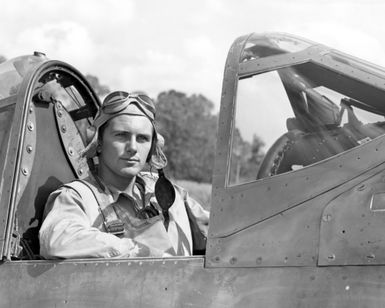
[254, 158]
[246, 158]
[100, 90]
[189, 128]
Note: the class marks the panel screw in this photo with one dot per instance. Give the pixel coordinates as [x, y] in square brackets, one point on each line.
[233, 260]
[24, 171]
[70, 151]
[64, 129]
[80, 171]
[332, 257]
[30, 126]
[327, 217]
[29, 149]
[371, 257]
[60, 113]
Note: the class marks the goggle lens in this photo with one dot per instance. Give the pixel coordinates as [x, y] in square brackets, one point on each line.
[117, 101]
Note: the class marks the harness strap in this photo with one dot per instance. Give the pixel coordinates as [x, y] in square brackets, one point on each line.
[111, 221]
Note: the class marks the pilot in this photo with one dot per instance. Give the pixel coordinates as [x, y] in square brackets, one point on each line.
[114, 212]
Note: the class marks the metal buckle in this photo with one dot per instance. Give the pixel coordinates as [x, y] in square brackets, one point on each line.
[115, 227]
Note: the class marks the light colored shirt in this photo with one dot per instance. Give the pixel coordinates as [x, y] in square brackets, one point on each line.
[73, 226]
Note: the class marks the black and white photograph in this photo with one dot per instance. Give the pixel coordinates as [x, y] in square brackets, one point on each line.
[208, 153]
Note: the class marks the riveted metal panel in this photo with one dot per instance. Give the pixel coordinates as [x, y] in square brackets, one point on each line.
[28, 151]
[13, 169]
[225, 124]
[71, 139]
[241, 206]
[49, 169]
[185, 283]
[352, 226]
[279, 61]
[289, 238]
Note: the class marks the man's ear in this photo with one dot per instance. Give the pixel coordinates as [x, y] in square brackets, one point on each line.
[99, 148]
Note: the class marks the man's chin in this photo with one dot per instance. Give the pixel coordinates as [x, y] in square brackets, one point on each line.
[130, 172]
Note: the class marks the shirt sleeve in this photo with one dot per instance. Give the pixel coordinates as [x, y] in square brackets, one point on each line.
[201, 216]
[67, 232]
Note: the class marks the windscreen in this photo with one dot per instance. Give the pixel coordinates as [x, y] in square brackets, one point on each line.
[297, 116]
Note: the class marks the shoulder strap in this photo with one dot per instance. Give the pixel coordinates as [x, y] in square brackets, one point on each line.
[83, 189]
[111, 222]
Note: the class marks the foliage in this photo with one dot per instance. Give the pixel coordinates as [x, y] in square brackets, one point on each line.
[100, 90]
[189, 129]
[201, 192]
[246, 158]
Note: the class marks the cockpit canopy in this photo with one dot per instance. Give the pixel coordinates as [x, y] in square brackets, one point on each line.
[298, 103]
[46, 107]
[298, 121]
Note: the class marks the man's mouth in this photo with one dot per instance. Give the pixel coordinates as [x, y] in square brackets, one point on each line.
[131, 160]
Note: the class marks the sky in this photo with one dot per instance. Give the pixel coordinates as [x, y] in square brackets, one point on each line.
[157, 46]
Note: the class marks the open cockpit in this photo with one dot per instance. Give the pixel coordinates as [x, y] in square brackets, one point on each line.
[45, 110]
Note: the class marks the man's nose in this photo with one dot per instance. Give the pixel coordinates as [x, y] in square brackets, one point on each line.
[131, 145]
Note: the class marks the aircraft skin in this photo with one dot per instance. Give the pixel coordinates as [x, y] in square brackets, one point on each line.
[306, 237]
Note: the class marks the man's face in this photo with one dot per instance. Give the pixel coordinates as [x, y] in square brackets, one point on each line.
[125, 145]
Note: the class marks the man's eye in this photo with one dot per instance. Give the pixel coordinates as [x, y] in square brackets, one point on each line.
[120, 134]
[143, 139]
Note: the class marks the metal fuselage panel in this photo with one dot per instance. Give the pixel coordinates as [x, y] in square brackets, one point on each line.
[186, 283]
[275, 220]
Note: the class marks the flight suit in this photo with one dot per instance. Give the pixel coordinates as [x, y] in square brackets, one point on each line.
[76, 214]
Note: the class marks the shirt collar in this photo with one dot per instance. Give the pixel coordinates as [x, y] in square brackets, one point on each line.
[140, 188]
